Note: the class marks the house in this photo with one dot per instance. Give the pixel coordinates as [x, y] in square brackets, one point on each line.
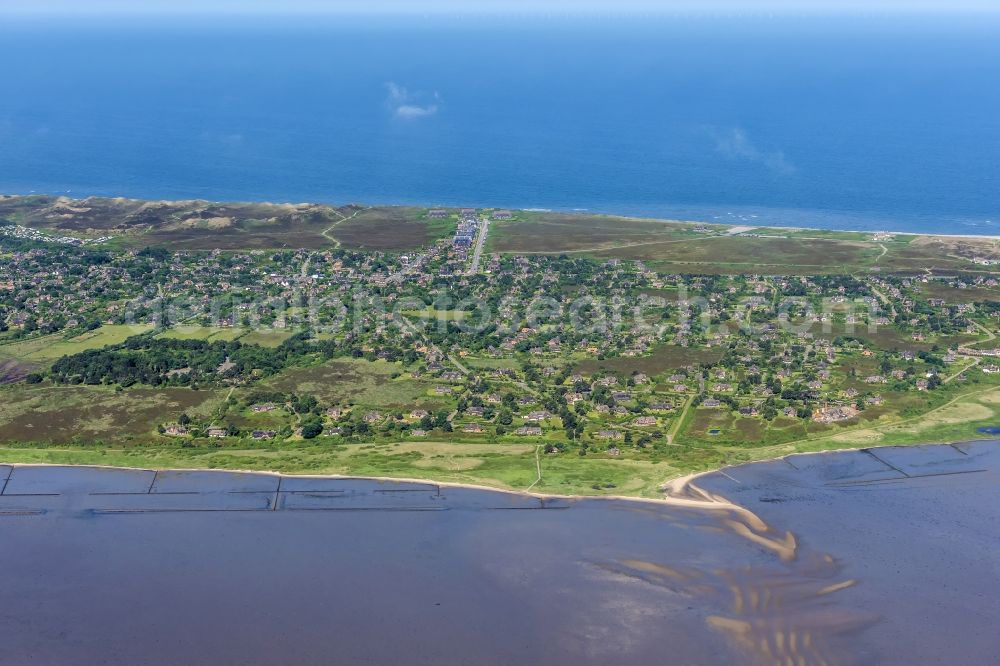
[217, 433]
[419, 433]
[711, 402]
[176, 431]
[614, 451]
[473, 428]
[373, 417]
[502, 215]
[539, 415]
[263, 434]
[419, 413]
[991, 369]
[610, 434]
[833, 413]
[644, 421]
[437, 213]
[334, 413]
[532, 431]
[661, 407]
[263, 407]
[475, 411]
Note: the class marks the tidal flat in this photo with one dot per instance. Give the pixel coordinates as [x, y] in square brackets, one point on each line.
[886, 556]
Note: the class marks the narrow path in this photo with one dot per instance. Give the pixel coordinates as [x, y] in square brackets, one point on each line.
[975, 362]
[404, 322]
[326, 232]
[538, 467]
[680, 420]
[461, 368]
[990, 335]
[9, 343]
[885, 251]
[618, 246]
[884, 299]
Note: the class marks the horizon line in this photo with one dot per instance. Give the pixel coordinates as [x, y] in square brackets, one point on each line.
[523, 8]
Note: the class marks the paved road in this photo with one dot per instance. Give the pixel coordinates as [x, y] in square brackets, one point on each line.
[480, 243]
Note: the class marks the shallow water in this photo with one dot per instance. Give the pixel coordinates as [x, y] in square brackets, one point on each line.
[890, 557]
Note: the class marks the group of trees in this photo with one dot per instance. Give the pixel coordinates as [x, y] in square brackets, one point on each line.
[146, 359]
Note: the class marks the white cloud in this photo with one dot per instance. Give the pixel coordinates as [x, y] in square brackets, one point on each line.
[409, 111]
[407, 105]
[734, 144]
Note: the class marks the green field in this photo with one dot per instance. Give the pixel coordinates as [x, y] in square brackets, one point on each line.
[52, 347]
[265, 338]
[207, 333]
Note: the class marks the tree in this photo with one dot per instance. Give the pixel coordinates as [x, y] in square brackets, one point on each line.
[184, 419]
[311, 430]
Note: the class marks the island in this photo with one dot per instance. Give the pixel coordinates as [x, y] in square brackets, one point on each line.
[556, 353]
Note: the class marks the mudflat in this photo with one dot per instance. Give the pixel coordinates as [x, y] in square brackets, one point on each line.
[877, 556]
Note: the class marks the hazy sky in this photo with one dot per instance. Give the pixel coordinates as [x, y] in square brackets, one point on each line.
[479, 6]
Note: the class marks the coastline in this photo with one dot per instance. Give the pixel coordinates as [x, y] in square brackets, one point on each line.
[680, 491]
[531, 209]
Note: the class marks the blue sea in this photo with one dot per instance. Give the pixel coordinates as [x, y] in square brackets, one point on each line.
[834, 122]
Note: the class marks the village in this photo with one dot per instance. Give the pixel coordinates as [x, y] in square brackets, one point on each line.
[526, 347]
